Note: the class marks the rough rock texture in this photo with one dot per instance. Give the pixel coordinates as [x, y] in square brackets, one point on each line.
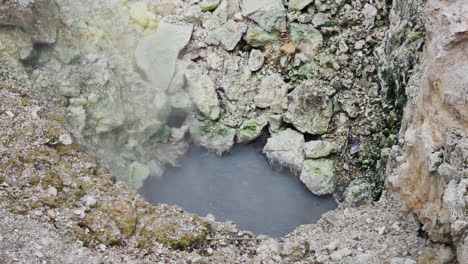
[285, 149]
[319, 176]
[309, 112]
[202, 91]
[39, 18]
[430, 169]
[269, 14]
[157, 54]
[213, 137]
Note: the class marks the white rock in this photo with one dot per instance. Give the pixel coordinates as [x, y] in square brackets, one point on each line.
[9, 113]
[227, 35]
[298, 4]
[256, 60]
[272, 93]
[285, 149]
[90, 201]
[319, 176]
[52, 191]
[202, 91]
[157, 54]
[269, 14]
[65, 139]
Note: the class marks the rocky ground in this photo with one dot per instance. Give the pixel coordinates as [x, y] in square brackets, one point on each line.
[59, 206]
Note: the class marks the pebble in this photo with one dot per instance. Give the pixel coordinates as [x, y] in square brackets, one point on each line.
[10, 114]
[65, 139]
[288, 48]
[382, 230]
[90, 201]
[256, 60]
[51, 214]
[52, 191]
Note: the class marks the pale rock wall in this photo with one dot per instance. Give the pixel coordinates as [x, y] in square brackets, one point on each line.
[429, 174]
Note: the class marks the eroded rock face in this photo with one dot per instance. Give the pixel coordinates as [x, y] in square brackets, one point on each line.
[431, 171]
[39, 18]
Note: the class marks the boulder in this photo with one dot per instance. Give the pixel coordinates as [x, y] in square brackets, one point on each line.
[269, 14]
[319, 176]
[256, 60]
[320, 148]
[208, 5]
[272, 93]
[157, 54]
[285, 148]
[202, 91]
[258, 37]
[40, 18]
[309, 112]
[214, 137]
[308, 39]
[228, 35]
[250, 130]
[297, 5]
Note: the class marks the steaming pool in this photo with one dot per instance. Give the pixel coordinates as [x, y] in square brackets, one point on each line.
[241, 187]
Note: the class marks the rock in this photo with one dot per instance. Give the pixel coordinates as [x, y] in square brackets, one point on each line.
[285, 149]
[257, 37]
[320, 19]
[123, 213]
[297, 5]
[269, 14]
[218, 18]
[181, 102]
[209, 5]
[157, 54]
[228, 35]
[319, 176]
[308, 39]
[419, 181]
[203, 93]
[340, 254]
[40, 18]
[357, 192]
[272, 93]
[65, 139]
[402, 261]
[90, 201]
[250, 130]
[319, 149]
[295, 251]
[52, 191]
[369, 12]
[359, 44]
[462, 251]
[102, 227]
[256, 60]
[275, 122]
[269, 246]
[308, 112]
[214, 137]
[288, 48]
[136, 174]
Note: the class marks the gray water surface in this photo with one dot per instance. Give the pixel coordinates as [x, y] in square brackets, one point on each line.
[241, 187]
